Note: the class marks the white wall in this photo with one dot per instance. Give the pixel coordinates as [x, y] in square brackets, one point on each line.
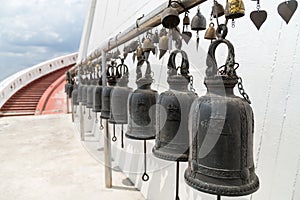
[269, 65]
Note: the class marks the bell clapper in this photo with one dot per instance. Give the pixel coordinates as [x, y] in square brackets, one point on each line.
[90, 117]
[145, 176]
[114, 138]
[177, 181]
[219, 197]
[96, 119]
[84, 110]
[122, 137]
[101, 125]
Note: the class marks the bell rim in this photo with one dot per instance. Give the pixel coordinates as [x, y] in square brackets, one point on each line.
[159, 154]
[230, 191]
[139, 137]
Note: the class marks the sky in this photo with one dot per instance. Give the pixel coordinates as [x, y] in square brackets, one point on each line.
[33, 31]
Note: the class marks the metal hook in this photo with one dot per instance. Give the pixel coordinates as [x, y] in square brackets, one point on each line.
[145, 176]
[138, 19]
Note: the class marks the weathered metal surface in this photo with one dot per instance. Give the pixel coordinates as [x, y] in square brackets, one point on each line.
[222, 128]
[172, 139]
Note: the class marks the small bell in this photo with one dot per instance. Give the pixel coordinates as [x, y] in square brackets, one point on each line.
[163, 32]
[148, 46]
[155, 37]
[163, 46]
[217, 10]
[210, 33]
[186, 35]
[170, 18]
[186, 20]
[234, 9]
[198, 24]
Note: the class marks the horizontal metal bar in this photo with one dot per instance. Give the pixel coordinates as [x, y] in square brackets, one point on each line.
[151, 20]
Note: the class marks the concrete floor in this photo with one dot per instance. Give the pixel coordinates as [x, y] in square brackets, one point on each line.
[41, 157]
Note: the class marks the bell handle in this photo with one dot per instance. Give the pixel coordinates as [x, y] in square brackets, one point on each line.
[212, 67]
[148, 73]
[184, 68]
[122, 70]
[111, 70]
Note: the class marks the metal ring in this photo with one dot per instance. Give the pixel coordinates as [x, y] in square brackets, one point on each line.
[222, 31]
[145, 177]
[114, 139]
[101, 127]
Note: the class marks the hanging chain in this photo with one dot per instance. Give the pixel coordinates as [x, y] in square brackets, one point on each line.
[192, 84]
[242, 91]
[258, 5]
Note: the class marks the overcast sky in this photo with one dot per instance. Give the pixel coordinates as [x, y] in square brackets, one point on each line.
[32, 31]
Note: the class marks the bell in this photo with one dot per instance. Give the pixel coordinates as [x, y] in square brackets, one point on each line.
[210, 33]
[163, 45]
[84, 92]
[162, 32]
[90, 93]
[75, 96]
[234, 9]
[142, 119]
[186, 20]
[141, 124]
[97, 96]
[198, 22]
[155, 37]
[119, 101]
[148, 45]
[170, 18]
[172, 140]
[217, 10]
[221, 132]
[111, 80]
[81, 84]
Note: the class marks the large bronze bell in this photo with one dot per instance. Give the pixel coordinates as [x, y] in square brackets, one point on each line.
[90, 93]
[111, 76]
[119, 97]
[119, 100]
[97, 96]
[142, 111]
[172, 139]
[142, 122]
[75, 96]
[221, 159]
[234, 9]
[84, 92]
[80, 87]
[170, 18]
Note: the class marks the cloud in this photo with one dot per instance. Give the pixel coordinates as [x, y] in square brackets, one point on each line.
[33, 31]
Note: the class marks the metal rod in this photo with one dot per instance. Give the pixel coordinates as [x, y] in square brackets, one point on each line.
[145, 176]
[122, 136]
[81, 122]
[114, 138]
[67, 99]
[107, 156]
[107, 142]
[72, 110]
[149, 21]
[219, 197]
[177, 181]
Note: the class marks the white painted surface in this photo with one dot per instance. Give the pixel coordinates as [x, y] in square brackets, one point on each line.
[12, 84]
[269, 61]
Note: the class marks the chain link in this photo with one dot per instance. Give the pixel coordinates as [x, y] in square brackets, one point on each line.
[242, 91]
[192, 84]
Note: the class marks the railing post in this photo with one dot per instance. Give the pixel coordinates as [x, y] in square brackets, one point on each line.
[107, 142]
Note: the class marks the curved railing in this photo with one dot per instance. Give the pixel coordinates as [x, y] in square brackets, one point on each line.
[12, 84]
